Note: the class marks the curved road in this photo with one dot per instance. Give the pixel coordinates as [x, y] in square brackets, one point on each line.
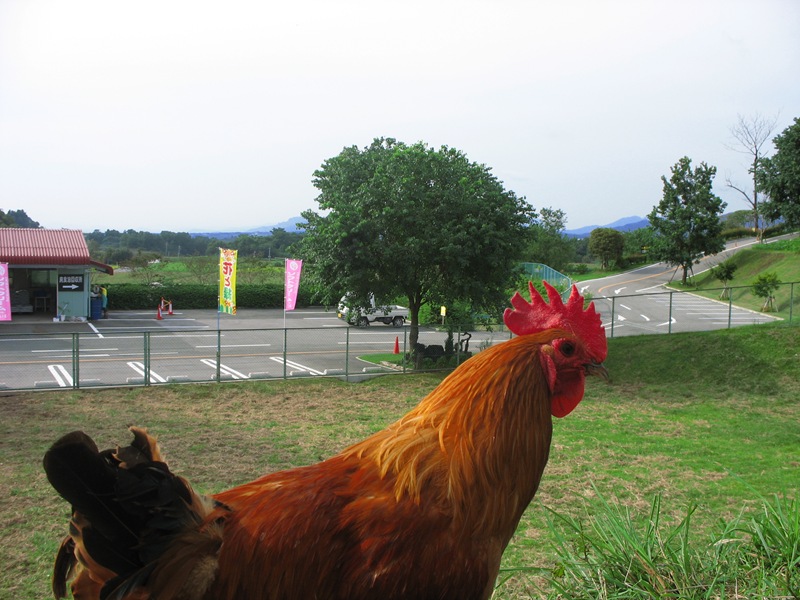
[637, 302]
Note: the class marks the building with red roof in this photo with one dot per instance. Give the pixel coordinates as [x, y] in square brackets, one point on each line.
[49, 271]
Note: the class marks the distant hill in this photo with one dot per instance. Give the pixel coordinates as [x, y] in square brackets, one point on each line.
[624, 224]
[289, 225]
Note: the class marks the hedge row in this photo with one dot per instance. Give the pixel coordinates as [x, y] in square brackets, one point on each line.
[132, 296]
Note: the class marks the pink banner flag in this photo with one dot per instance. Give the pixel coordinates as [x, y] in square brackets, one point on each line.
[5, 296]
[291, 283]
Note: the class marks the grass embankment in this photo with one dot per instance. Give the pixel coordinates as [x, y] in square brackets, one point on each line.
[705, 419]
[781, 258]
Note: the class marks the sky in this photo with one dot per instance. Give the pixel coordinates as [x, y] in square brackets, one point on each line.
[185, 115]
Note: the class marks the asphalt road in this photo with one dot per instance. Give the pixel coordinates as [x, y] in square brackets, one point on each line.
[637, 302]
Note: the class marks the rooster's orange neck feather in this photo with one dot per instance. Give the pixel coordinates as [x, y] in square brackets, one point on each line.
[485, 427]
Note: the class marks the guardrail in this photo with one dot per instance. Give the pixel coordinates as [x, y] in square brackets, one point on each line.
[163, 355]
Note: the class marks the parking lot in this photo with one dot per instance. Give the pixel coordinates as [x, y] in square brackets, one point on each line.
[135, 348]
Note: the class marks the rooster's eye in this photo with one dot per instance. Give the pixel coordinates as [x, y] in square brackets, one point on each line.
[567, 349]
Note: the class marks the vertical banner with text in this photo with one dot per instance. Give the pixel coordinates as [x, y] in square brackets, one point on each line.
[291, 283]
[227, 281]
[5, 296]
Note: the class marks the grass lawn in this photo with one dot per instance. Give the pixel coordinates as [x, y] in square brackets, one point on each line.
[709, 419]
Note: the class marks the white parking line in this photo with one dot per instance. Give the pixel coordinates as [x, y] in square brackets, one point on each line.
[61, 375]
[295, 365]
[93, 328]
[237, 346]
[224, 369]
[139, 368]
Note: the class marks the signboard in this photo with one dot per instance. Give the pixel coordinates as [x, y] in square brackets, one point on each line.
[70, 283]
[291, 282]
[5, 298]
[227, 280]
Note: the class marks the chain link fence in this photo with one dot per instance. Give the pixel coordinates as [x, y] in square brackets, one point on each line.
[164, 355]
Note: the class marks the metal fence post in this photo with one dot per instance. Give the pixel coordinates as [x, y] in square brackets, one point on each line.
[76, 361]
[730, 307]
[285, 337]
[219, 354]
[613, 309]
[347, 354]
[791, 300]
[669, 321]
[146, 358]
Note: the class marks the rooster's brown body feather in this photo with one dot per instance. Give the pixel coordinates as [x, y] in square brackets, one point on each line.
[421, 509]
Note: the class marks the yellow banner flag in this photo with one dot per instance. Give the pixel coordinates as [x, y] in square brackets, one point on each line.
[227, 280]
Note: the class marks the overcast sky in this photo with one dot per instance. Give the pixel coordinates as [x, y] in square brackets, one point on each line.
[192, 115]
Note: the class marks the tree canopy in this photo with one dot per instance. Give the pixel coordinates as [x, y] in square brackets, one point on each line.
[607, 245]
[548, 242]
[779, 177]
[413, 222]
[686, 221]
[17, 218]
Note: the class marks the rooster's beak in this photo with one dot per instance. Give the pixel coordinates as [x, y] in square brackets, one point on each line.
[598, 369]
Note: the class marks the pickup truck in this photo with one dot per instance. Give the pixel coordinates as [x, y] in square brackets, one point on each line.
[389, 314]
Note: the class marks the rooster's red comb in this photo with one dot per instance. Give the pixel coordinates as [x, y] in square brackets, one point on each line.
[537, 315]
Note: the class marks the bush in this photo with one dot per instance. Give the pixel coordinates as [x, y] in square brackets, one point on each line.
[577, 268]
[130, 296]
[736, 233]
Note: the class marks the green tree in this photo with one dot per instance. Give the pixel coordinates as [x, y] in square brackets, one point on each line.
[686, 221]
[412, 222]
[724, 272]
[607, 245]
[639, 241]
[779, 177]
[21, 219]
[764, 287]
[548, 243]
[5, 220]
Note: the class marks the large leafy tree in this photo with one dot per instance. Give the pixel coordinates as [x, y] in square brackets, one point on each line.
[548, 242]
[686, 221]
[412, 222]
[607, 245]
[779, 177]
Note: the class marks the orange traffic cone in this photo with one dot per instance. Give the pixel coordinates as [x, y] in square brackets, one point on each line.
[158, 314]
[397, 345]
[169, 306]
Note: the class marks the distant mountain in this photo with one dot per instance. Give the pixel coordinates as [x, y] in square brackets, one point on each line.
[624, 224]
[289, 225]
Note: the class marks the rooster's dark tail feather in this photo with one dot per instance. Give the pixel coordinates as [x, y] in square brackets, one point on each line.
[128, 508]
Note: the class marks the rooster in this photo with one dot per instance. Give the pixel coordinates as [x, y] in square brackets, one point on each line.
[423, 509]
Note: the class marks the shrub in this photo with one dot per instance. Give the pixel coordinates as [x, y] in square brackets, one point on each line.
[129, 296]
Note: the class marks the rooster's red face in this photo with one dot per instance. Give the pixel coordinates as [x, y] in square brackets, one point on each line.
[567, 360]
